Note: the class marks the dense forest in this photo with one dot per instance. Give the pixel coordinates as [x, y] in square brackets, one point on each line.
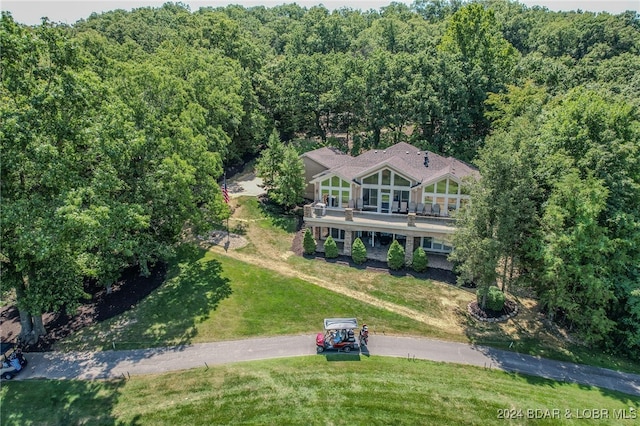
[114, 132]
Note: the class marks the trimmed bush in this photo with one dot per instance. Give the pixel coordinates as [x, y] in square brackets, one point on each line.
[495, 298]
[395, 256]
[309, 243]
[358, 252]
[330, 248]
[420, 261]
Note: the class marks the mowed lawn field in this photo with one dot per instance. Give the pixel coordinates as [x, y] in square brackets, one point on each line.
[264, 290]
[323, 389]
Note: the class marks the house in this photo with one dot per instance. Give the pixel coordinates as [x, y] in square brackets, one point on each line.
[400, 193]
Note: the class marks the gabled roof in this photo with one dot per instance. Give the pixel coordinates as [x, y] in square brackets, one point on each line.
[403, 157]
[328, 157]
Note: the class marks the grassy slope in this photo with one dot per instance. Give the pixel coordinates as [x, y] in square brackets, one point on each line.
[263, 290]
[308, 390]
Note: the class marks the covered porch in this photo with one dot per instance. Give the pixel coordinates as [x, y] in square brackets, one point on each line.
[377, 231]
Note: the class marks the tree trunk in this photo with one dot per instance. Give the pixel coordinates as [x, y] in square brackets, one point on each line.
[483, 302]
[109, 288]
[504, 274]
[26, 323]
[38, 327]
[26, 327]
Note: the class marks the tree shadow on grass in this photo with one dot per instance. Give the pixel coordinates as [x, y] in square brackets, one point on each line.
[188, 298]
[61, 402]
[548, 372]
[287, 221]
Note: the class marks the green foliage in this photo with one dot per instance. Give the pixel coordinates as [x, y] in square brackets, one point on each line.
[330, 248]
[395, 256]
[555, 201]
[492, 298]
[289, 184]
[115, 132]
[420, 261]
[270, 162]
[358, 252]
[282, 172]
[309, 243]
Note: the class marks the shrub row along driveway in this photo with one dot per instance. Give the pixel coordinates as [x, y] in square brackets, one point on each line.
[110, 364]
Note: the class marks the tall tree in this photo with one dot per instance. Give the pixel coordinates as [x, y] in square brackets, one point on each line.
[289, 184]
[486, 59]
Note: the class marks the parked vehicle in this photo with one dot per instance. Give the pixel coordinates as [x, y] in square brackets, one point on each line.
[338, 335]
[12, 361]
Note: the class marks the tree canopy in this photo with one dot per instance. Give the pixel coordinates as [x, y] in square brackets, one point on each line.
[115, 130]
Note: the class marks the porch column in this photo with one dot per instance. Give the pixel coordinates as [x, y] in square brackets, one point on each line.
[348, 214]
[408, 250]
[308, 210]
[411, 219]
[348, 237]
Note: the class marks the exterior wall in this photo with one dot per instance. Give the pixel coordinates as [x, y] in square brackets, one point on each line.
[311, 168]
[433, 234]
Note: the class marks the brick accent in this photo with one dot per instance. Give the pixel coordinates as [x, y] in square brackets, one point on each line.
[348, 214]
[348, 237]
[408, 250]
[411, 219]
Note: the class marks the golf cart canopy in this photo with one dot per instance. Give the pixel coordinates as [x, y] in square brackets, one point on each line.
[340, 323]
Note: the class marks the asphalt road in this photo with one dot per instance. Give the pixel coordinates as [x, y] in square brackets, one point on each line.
[110, 364]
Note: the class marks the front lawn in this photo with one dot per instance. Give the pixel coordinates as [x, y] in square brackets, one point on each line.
[336, 389]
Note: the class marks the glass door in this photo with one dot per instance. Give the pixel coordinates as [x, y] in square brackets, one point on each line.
[385, 202]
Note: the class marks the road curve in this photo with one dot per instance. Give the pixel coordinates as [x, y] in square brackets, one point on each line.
[110, 364]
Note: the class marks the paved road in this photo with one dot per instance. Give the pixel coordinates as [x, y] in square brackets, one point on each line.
[98, 365]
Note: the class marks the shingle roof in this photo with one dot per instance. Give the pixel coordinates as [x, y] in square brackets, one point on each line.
[329, 157]
[405, 158]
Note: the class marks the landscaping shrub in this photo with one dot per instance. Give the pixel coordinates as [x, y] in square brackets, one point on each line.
[358, 252]
[420, 261]
[309, 243]
[330, 248]
[495, 298]
[395, 256]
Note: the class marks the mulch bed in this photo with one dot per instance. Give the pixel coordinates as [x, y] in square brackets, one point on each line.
[435, 274]
[132, 288]
[509, 310]
[125, 294]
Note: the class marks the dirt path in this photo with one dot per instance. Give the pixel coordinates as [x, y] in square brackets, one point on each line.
[289, 271]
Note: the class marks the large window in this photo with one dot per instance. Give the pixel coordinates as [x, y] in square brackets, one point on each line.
[337, 234]
[370, 199]
[445, 196]
[435, 245]
[385, 192]
[335, 192]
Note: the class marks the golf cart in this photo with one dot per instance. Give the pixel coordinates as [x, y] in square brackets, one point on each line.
[338, 335]
[11, 362]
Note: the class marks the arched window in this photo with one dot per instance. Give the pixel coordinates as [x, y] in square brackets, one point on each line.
[386, 191]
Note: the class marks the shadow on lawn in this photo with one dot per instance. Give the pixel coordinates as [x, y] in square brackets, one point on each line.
[287, 221]
[62, 402]
[543, 371]
[195, 288]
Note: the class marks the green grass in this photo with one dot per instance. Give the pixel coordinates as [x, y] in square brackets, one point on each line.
[214, 297]
[211, 298]
[337, 389]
